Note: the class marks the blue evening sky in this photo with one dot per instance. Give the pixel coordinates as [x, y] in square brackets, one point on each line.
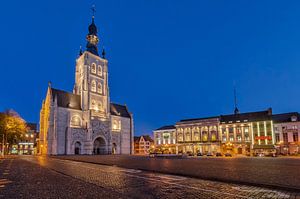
[168, 60]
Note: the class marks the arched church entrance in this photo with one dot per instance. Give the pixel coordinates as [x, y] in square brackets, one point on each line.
[77, 148]
[114, 148]
[99, 146]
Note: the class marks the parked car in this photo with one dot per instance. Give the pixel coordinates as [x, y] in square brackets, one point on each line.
[218, 154]
[228, 155]
[209, 154]
[199, 154]
[189, 153]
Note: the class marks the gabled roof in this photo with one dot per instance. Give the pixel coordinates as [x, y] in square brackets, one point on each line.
[249, 117]
[286, 117]
[32, 126]
[168, 127]
[136, 138]
[147, 138]
[119, 110]
[66, 99]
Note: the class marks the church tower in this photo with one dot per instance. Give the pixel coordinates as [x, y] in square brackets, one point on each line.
[91, 78]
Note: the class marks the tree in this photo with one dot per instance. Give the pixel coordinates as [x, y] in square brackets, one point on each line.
[12, 128]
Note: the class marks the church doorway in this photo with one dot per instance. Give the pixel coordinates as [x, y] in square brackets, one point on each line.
[77, 148]
[99, 146]
[114, 148]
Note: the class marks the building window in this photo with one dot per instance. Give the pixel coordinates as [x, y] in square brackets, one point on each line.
[295, 137]
[239, 138]
[75, 121]
[224, 139]
[93, 87]
[93, 105]
[100, 107]
[231, 138]
[277, 138]
[99, 88]
[230, 130]
[93, 68]
[285, 137]
[99, 70]
[116, 125]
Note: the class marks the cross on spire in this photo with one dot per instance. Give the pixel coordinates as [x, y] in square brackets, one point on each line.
[93, 10]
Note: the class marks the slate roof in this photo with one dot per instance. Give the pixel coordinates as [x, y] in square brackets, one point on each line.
[66, 99]
[32, 126]
[285, 117]
[202, 118]
[249, 117]
[73, 101]
[147, 138]
[119, 110]
[166, 127]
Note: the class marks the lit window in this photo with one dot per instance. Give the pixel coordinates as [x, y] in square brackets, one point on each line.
[100, 107]
[99, 70]
[31, 135]
[99, 88]
[116, 125]
[93, 105]
[26, 135]
[75, 121]
[93, 88]
[93, 68]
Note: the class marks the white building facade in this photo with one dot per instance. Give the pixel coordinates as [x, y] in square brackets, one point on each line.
[85, 121]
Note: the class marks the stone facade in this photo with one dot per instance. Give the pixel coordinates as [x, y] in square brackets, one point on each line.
[85, 121]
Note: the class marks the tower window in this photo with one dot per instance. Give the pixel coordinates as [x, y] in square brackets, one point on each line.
[93, 106]
[99, 88]
[93, 88]
[100, 107]
[75, 121]
[93, 68]
[99, 70]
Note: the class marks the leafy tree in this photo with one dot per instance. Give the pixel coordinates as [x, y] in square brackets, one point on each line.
[12, 126]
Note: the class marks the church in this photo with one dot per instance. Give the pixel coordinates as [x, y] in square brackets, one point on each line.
[85, 121]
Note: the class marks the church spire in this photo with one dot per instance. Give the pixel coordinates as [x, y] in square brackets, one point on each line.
[236, 110]
[92, 38]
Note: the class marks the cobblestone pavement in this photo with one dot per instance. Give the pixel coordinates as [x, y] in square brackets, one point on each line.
[43, 177]
[277, 172]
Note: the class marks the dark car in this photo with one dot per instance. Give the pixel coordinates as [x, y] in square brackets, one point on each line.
[209, 154]
[199, 154]
[218, 154]
[189, 153]
[228, 155]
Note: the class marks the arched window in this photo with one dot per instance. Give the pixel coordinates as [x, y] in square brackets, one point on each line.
[93, 106]
[100, 107]
[93, 87]
[93, 68]
[99, 70]
[116, 125]
[75, 121]
[99, 88]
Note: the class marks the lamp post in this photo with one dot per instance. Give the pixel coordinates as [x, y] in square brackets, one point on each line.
[3, 145]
